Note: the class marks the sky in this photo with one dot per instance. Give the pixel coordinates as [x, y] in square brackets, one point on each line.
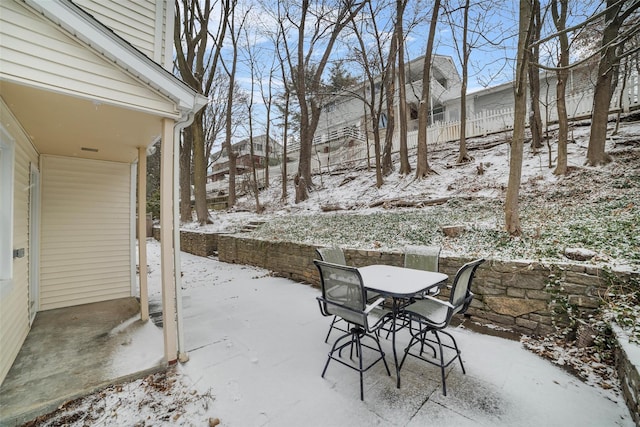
[492, 57]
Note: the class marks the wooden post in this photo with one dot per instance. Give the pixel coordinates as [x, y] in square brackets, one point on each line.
[169, 322]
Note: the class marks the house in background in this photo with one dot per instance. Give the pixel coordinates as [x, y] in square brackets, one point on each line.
[343, 138]
[345, 121]
[261, 159]
[85, 89]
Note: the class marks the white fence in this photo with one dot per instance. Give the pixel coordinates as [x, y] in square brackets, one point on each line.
[579, 105]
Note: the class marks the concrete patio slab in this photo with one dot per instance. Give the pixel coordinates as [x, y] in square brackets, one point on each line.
[73, 351]
[257, 344]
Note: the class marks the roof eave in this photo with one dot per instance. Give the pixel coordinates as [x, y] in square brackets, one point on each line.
[96, 35]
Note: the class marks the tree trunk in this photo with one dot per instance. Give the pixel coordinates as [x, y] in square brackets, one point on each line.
[463, 156]
[402, 87]
[377, 150]
[596, 154]
[422, 165]
[199, 171]
[511, 206]
[285, 137]
[560, 19]
[535, 118]
[185, 176]
[390, 89]
[308, 90]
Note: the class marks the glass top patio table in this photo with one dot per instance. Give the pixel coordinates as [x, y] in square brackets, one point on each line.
[399, 283]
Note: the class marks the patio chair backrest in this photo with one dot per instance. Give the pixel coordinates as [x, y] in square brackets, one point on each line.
[422, 257]
[461, 294]
[343, 292]
[333, 255]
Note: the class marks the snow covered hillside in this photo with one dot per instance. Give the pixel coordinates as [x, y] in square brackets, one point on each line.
[596, 209]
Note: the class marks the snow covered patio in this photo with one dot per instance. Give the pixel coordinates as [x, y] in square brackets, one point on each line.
[256, 343]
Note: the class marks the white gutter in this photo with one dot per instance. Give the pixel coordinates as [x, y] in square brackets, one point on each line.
[177, 132]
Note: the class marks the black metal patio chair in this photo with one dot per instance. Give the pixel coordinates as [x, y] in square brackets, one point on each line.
[423, 258]
[335, 255]
[344, 296]
[433, 316]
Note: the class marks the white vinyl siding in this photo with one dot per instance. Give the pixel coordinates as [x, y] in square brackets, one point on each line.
[133, 20]
[35, 52]
[7, 144]
[14, 302]
[85, 224]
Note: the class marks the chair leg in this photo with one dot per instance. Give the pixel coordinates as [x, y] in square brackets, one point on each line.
[333, 322]
[354, 339]
[359, 351]
[382, 354]
[333, 349]
[458, 352]
[442, 365]
[413, 341]
[423, 342]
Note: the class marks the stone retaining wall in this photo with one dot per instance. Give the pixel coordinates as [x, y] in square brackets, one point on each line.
[520, 296]
[628, 372]
[195, 242]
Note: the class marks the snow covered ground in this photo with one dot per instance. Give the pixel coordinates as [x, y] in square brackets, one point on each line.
[590, 209]
[256, 353]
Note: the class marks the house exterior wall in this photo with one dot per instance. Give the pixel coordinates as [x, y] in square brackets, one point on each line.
[35, 53]
[135, 21]
[86, 230]
[348, 108]
[14, 299]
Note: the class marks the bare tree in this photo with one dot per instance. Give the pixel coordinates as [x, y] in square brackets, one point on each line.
[234, 33]
[475, 32]
[614, 37]
[283, 107]
[196, 63]
[267, 99]
[216, 114]
[559, 14]
[405, 167]
[422, 165]
[313, 25]
[389, 83]
[253, 66]
[535, 117]
[375, 65]
[511, 206]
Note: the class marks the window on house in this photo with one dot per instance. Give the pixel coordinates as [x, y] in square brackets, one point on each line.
[6, 213]
[382, 124]
[436, 114]
[259, 147]
[413, 111]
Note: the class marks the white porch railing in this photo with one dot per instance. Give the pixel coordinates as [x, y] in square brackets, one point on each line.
[579, 105]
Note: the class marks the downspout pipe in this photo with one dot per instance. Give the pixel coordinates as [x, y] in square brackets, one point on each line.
[181, 124]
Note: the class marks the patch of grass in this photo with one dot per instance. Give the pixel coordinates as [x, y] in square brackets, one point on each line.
[608, 227]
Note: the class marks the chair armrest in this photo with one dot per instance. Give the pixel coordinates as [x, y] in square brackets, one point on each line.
[439, 301]
[374, 305]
